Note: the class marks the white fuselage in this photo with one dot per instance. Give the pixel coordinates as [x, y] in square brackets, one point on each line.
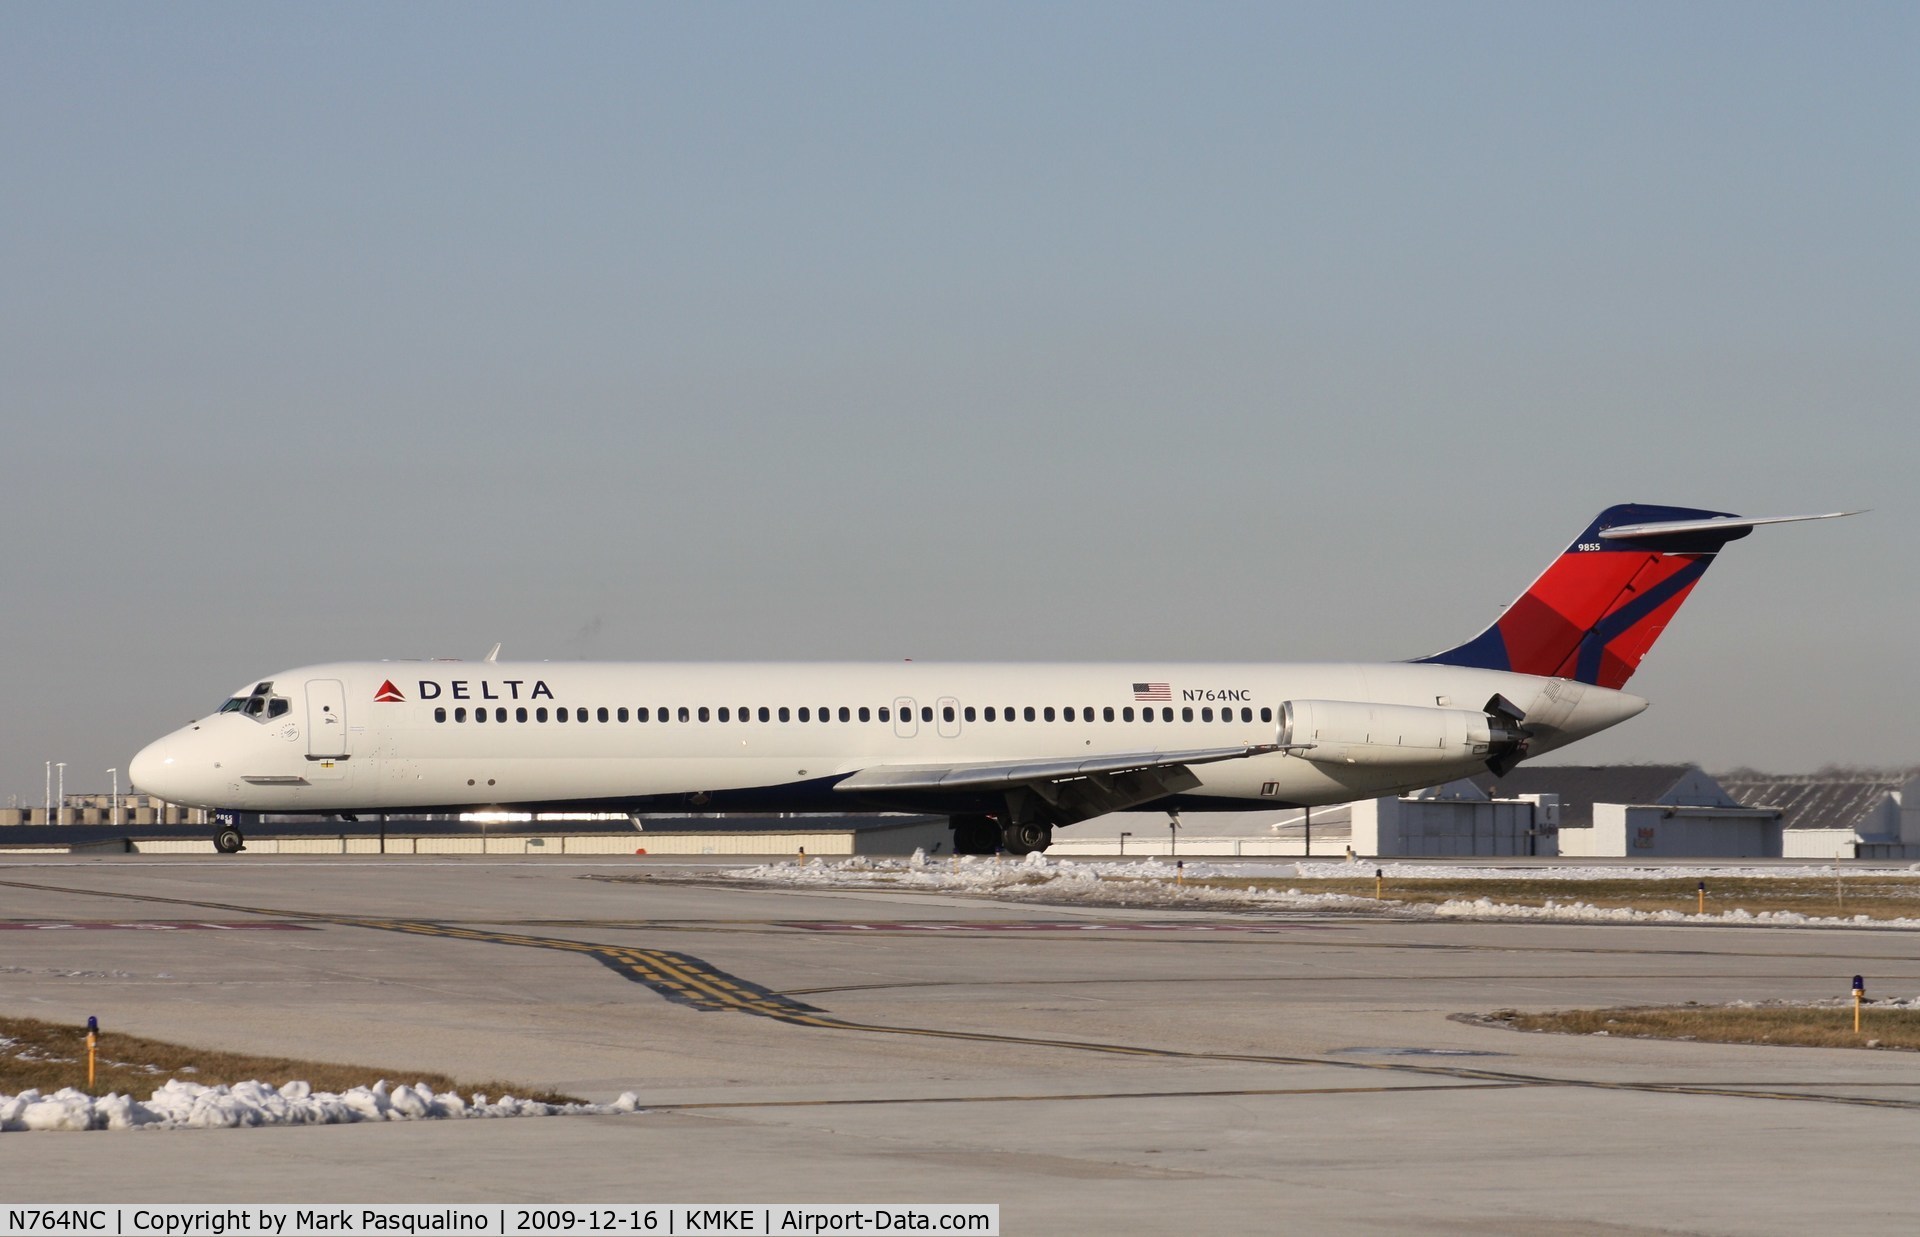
[399, 736]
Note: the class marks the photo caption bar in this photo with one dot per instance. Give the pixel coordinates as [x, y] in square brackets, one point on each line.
[494, 1220]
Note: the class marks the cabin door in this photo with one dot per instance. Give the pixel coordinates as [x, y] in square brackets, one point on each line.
[326, 719]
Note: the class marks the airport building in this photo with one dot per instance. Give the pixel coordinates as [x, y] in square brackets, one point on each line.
[1647, 812]
[100, 809]
[1867, 816]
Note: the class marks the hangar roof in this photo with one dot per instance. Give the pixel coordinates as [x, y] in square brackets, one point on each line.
[1815, 802]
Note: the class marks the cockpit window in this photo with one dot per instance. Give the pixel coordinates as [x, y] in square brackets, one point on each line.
[260, 704]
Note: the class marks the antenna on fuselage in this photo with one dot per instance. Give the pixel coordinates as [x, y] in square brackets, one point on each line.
[493, 654]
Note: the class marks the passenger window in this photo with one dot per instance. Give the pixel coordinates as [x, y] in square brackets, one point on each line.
[705, 714]
[1266, 714]
[723, 714]
[886, 714]
[559, 715]
[580, 714]
[459, 715]
[1166, 714]
[603, 713]
[1206, 715]
[1067, 713]
[1087, 713]
[622, 714]
[866, 714]
[1186, 714]
[640, 715]
[946, 712]
[1146, 715]
[846, 714]
[440, 715]
[784, 715]
[1107, 713]
[765, 715]
[804, 715]
[520, 714]
[540, 715]
[500, 714]
[685, 714]
[1029, 713]
[926, 712]
[989, 713]
[825, 714]
[1048, 714]
[967, 713]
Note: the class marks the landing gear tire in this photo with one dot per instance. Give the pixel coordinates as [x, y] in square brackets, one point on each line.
[227, 840]
[975, 835]
[1025, 837]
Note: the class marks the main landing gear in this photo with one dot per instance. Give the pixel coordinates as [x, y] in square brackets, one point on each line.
[984, 835]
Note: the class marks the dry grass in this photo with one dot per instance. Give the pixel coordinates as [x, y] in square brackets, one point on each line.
[1796, 1025]
[47, 1056]
[1878, 897]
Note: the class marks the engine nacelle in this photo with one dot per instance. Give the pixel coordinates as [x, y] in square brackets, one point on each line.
[1353, 732]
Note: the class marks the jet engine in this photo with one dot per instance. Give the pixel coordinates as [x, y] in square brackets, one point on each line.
[1354, 732]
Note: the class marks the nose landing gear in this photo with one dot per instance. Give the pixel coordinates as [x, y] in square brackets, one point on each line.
[227, 838]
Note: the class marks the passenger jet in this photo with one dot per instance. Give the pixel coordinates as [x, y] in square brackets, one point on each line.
[1008, 752]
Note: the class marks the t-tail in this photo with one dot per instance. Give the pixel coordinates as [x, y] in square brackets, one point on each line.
[1594, 613]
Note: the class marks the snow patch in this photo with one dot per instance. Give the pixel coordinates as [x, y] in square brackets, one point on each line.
[1153, 882]
[190, 1105]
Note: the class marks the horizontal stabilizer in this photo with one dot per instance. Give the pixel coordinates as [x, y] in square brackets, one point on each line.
[1728, 524]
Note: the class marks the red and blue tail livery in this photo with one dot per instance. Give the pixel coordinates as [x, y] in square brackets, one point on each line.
[1594, 613]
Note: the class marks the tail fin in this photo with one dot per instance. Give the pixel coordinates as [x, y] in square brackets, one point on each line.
[1594, 613]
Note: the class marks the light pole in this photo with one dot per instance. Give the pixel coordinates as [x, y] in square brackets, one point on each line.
[49, 819]
[60, 799]
[115, 775]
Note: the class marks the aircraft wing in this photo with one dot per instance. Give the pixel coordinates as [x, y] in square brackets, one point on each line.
[1074, 789]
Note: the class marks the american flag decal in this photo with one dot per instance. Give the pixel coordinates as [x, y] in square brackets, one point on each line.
[1152, 691]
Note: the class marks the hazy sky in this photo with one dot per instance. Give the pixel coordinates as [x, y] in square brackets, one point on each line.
[1185, 331]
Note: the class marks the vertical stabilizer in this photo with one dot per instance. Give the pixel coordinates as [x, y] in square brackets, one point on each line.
[1597, 609]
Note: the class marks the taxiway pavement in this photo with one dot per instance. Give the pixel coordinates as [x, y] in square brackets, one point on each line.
[1091, 1070]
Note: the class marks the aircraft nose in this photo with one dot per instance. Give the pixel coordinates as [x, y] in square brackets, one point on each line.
[155, 769]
